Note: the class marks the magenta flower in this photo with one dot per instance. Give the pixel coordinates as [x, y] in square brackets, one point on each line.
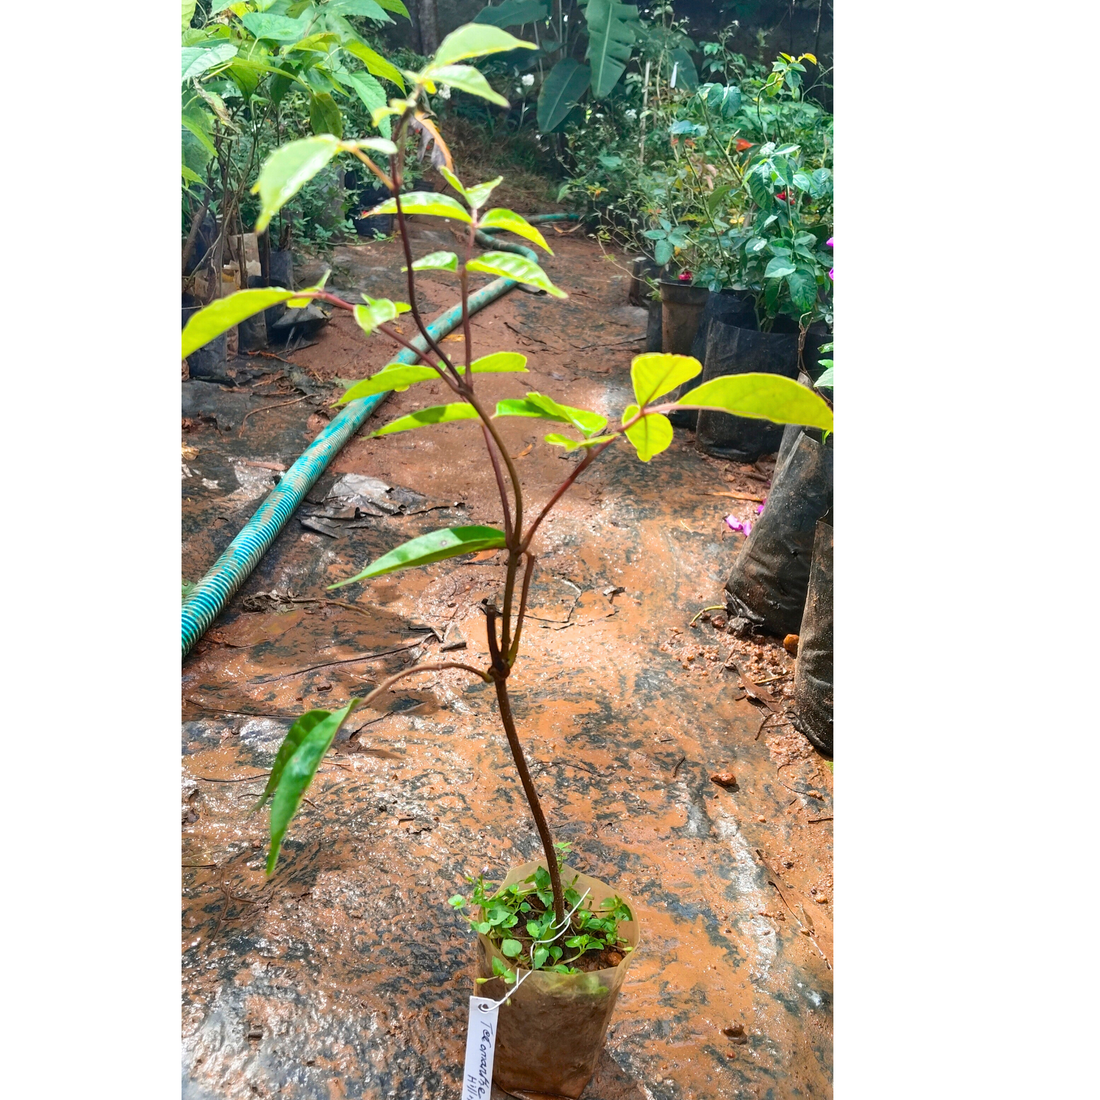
[829, 243]
[760, 507]
[735, 524]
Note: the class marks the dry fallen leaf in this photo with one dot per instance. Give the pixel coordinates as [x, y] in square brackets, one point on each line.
[485, 555]
[525, 452]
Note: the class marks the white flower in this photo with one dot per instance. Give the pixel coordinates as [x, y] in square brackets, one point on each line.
[527, 80]
[444, 91]
[631, 114]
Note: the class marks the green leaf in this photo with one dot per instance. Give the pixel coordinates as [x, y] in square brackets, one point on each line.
[188, 10]
[396, 378]
[197, 61]
[377, 312]
[466, 79]
[436, 414]
[825, 379]
[654, 374]
[573, 444]
[687, 77]
[294, 737]
[395, 6]
[560, 93]
[399, 376]
[222, 314]
[650, 435]
[763, 396]
[275, 28]
[778, 268]
[325, 116]
[474, 40]
[609, 40]
[447, 543]
[519, 268]
[426, 202]
[662, 252]
[376, 64]
[499, 218]
[511, 948]
[499, 362]
[803, 288]
[298, 773]
[513, 13]
[545, 408]
[368, 8]
[372, 94]
[287, 170]
[436, 261]
[477, 195]
[539, 956]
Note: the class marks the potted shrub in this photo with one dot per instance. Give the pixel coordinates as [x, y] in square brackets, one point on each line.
[558, 940]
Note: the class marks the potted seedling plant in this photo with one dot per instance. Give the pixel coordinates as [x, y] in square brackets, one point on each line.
[557, 940]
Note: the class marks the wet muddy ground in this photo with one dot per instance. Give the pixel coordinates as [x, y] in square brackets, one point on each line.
[347, 974]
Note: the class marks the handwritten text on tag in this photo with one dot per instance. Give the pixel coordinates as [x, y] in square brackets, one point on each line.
[481, 1037]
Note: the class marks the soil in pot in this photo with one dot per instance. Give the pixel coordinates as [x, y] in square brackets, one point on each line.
[551, 1031]
[682, 308]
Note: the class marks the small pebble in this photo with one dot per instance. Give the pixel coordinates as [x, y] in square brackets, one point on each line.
[790, 644]
[761, 817]
[724, 779]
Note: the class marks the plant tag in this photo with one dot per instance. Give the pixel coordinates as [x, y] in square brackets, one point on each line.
[481, 1039]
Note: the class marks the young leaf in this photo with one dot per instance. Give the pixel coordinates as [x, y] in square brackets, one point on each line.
[763, 396]
[437, 414]
[377, 312]
[650, 435]
[499, 218]
[426, 202]
[287, 169]
[573, 444]
[511, 948]
[436, 261]
[654, 375]
[539, 956]
[436, 546]
[222, 314]
[399, 376]
[514, 267]
[545, 408]
[396, 377]
[477, 195]
[297, 775]
[473, 40]
[467, 79]
[499, 362]
[287, 749]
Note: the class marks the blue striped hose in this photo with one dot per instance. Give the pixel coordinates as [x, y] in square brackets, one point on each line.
[208, 598]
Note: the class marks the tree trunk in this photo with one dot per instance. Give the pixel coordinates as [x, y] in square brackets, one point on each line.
[428, 22]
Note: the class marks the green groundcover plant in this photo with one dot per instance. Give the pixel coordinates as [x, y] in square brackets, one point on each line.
[541, 924]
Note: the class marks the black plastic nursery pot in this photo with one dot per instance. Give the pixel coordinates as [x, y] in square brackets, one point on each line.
[207, 362]
[769, 580]
[813, 678]
[682, 308]
[732, 307]
[551, 1030]
[641, 269]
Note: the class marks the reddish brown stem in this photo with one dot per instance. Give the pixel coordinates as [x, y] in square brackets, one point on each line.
[532, 799]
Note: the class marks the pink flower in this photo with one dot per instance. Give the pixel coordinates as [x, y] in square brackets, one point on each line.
[735, 524]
